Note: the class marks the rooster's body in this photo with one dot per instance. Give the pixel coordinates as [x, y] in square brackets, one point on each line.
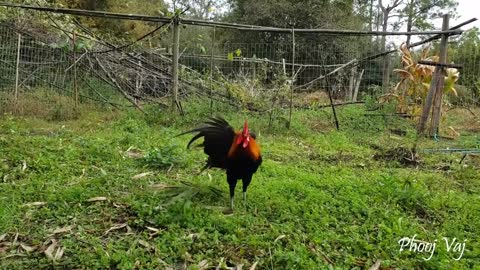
[237, 152]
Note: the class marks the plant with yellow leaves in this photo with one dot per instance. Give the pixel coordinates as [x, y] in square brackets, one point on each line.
[412, 89]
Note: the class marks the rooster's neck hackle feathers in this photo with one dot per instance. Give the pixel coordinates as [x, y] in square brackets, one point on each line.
[222, 142]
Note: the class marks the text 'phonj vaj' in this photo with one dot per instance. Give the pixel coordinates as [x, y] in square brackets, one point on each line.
[419, 246]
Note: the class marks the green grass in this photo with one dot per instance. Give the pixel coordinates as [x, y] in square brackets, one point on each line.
[319, 201]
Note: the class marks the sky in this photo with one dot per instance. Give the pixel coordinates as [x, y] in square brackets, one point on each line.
[466, 10]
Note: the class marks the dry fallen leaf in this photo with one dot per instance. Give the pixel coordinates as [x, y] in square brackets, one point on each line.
[188, 257]
[14, 255]
[63, 230]
[51, 248]
[59, 253]
[153, 229]
[133, 153]
[119, 205]
[279, 238]
[116, 227]
[14, 243]
[161, 186]
[193, 236]
[142, 175]
[34, 204]
[376, 266]
[145, 244]
[83, 172]
[203, 265]
[97, 199]
[254, 266]
[455, 133]
[27, 248]
[220, 264]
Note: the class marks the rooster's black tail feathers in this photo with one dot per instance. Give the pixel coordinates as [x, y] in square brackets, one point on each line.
[218, 137]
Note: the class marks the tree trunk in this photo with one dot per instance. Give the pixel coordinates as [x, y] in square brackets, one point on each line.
[386, 58]
[370, 26]
[410, 19]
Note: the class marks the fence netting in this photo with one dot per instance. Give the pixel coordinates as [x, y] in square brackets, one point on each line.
[60, 67]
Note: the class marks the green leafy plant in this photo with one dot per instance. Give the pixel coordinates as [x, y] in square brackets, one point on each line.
[163, 157]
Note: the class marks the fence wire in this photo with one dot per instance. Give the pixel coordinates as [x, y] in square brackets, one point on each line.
[214, 64]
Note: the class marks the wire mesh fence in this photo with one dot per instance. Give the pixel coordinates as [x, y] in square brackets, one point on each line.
[256, 69]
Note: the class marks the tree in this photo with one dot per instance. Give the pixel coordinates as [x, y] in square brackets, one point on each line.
[466, 52]
[325, 14]
[386, 15]
[417, 13]
[113, 29]
[201, 9]
[120, 29]
[300, 14]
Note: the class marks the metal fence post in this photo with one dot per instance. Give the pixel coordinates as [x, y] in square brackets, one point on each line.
[212, 48]
[176, 45]
[75, 87]
[17, 69]
[292, 80]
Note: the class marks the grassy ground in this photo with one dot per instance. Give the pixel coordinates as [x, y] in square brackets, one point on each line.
[112, 190]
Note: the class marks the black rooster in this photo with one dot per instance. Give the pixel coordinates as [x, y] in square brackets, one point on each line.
[235, 151]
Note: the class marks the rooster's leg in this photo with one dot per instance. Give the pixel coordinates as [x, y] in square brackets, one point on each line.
[246, 181]
[232, 183]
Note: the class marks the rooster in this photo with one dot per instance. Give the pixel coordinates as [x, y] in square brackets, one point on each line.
[237, 152]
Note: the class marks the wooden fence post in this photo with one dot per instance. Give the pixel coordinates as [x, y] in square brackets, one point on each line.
[437, 101]
[386, 73]
[435, 79]
[357, 85]
[176, 46]
[351, 84]
[17, 69]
